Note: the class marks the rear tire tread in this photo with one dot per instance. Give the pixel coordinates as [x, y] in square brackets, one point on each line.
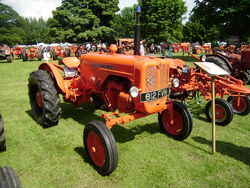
[51, 102]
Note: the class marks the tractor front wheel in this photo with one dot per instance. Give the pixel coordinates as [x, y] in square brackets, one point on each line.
[100, 147]
[243, 108]
[223, 112]
[2, 136]
[182, 123]
[44, 99]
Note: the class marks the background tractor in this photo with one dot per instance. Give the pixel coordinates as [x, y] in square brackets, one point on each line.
[16, 51]
[59, 51]
[237, 65]
[130, 87]
[31, 53]
[5, 53]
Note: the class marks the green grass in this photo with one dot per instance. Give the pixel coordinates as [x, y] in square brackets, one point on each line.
[54, 157]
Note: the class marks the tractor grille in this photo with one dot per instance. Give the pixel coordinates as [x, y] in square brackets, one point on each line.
[151, 79]
[156, 78]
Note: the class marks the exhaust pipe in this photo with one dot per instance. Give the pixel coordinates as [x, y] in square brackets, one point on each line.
[137, 38]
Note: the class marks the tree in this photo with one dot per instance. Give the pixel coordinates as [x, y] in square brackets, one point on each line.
[36, 30]
[10, 22]
[124, 23]
[223, 18]
[83, 20]
[162, 19]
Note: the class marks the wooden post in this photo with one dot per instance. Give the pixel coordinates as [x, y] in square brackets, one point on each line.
[213, 117]
[213, 70]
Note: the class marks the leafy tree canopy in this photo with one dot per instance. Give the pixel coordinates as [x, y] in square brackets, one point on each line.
[162, 19]
[220, 19]
[35, 30]
[83, 20]
[10, 21]
[124, 24]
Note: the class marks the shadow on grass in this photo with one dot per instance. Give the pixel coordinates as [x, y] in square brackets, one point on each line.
[197, 111]
[81, 151]
[239, 153]
[123, 134]
[82, 114]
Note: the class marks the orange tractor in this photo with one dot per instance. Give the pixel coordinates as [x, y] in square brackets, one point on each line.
[134, 85]
[31, 53]
[126, 46]
[193, 82]
[5, 53]
[59, 51]
[16, 51]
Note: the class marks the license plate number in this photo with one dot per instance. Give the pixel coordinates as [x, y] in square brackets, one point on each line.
[153, 95]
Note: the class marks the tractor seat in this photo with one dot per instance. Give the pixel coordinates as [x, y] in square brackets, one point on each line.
[71, 62]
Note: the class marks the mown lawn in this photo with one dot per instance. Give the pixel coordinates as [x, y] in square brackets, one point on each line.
[54, 157]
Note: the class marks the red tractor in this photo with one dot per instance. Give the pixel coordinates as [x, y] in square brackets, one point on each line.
[31, 53]
[17, 51]
[193, 82]
[134, 85]
[73, 49]
[237, 65]
[5, 53]
[59, 51]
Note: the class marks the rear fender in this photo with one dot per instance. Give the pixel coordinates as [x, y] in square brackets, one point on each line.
[53, 69]
[71, 62]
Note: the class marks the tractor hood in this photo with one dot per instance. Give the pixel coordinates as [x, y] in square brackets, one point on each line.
[100, 66]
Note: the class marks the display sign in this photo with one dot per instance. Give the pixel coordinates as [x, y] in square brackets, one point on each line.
[211, 68]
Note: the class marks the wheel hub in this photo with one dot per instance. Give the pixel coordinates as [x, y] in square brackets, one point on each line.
[238, 107]
[175, 127]
[96, 149]
[39, 100]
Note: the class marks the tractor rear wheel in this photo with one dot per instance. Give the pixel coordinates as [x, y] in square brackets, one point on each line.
[100, 147]
[24, 54]
[244, 106]
[182, 122]
[218, 61]
[9, 178]
[223, 112]
[44, 99]
[2, 136]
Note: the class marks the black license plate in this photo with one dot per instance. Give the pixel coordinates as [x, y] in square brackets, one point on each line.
[153, 95]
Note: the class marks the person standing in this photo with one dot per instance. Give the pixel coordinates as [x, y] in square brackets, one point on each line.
[170, 48]
[142, 52]
[163, 49]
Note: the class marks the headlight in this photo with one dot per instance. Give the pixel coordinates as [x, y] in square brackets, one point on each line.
[134, 91]
[203, 58]
[176, 82]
